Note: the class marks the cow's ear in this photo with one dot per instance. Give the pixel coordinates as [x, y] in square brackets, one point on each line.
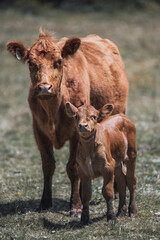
[70, 109]
[70, 47]
[105, 111]
[18, 50]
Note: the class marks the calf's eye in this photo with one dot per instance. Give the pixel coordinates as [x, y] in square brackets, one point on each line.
[76, 117]
[93, 117]
[58, 63]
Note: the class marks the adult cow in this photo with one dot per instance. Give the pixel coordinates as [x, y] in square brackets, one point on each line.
[87, 70]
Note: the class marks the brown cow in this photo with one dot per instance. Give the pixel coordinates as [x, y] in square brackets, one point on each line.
[102, 149]
[68, 70]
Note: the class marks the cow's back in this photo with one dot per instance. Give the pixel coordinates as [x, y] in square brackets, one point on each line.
[102, 77]
[109, 83]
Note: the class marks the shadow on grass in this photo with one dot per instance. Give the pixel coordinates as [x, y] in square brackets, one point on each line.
[59, 205]
[74, 224]
[22, 207]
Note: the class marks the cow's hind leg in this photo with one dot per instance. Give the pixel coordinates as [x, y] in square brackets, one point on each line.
[72, 171]
[48, 165]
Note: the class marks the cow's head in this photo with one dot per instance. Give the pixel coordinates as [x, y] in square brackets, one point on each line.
[86, 117]
[45, 59]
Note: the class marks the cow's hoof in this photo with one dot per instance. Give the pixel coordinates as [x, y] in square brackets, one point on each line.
[85, 216]
[75, 212]
[84, 219]
[45, 205]
[111, 216]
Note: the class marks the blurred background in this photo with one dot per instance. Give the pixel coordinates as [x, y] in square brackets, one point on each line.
[29, 5]
[134, 26]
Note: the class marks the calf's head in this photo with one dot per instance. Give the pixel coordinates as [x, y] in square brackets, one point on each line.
[86, 117]
[45, 60]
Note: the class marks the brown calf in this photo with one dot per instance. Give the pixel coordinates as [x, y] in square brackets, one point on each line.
[102, 149]
[68, 70]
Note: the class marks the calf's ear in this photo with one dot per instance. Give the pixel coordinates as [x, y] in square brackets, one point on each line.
[70, 47]
[18, 50]
[105, 111]
[71, 109]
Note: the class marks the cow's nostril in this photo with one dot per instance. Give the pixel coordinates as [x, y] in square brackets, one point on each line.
[44, 87]
[39, 88]
[49, 87]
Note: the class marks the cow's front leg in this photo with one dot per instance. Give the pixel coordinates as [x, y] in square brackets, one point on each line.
[72, 171]
[48, 165]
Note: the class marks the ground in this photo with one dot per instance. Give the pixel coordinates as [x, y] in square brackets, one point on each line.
[137, 35]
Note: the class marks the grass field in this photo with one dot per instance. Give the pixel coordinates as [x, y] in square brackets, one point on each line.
[137, 35]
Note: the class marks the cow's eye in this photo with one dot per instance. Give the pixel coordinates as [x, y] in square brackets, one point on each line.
[30, 64]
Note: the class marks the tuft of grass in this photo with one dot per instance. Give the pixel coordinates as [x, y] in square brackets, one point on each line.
[21, 179]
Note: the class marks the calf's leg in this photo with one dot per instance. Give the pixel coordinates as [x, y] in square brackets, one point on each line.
[116, 194]
[131, 180]
[72, 171]
[108, 191]
[86, 193]
[121, 186]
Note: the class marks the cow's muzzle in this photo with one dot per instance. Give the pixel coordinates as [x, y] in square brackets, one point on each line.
[44, 91]
[43, 88]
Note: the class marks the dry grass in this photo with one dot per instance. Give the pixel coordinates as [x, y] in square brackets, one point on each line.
[137, 36]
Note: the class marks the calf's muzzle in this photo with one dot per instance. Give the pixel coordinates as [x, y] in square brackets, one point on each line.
[83, 127]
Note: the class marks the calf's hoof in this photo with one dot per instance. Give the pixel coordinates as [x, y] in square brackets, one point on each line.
[75, 212]
[132, 211]
[116, 195]
[122, 212]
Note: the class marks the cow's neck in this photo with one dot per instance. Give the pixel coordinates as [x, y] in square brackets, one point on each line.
[51, 107]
